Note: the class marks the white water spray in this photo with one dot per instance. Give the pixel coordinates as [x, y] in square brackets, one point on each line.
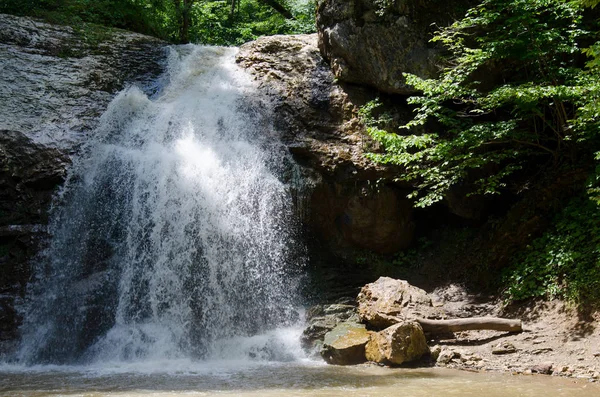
[174, 233]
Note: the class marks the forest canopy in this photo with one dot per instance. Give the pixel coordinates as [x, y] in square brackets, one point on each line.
[221, 22]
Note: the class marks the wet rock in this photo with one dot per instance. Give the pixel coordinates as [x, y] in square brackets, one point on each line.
[56, 82]
[317, 119]
[321, 319]
[29, 175]
[345, 344]
[80, 76]
[314, 114]
[401, 343]
[373, 42]
[384, 302]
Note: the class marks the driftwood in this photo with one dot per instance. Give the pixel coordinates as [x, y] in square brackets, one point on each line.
[468, 324]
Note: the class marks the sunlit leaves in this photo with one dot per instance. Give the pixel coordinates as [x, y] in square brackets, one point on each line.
[514, 89]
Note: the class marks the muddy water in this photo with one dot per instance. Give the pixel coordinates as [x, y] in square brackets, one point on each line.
[185, 379]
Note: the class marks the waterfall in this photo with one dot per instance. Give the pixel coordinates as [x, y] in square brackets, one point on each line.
[173, 236]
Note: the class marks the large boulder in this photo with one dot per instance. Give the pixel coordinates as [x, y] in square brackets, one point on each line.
[345, 344]
[401, 343]
[388, 301]
[321, 319]
[372, 42]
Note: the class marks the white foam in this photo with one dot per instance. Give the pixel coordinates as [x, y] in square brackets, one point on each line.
[177, 219]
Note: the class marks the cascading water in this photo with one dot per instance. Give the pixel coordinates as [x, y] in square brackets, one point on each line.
[173, 234]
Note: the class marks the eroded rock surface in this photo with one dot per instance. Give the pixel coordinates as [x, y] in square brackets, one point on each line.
[385, 301]
[55, 83]
[373, 42]
[317, 117]
[398, 344]
[57, 80]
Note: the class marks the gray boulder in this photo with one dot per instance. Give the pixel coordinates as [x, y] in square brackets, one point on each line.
[321, 319]
[372, 42]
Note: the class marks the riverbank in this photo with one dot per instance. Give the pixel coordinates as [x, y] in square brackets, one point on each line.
[557, 339]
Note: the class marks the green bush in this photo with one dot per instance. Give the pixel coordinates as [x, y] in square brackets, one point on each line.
[562, 263]
[515, 94]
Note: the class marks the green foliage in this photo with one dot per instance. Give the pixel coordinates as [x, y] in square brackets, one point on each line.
[564, 262]
[210, 22]
[516, 93]
[137, 15]
[215, 25]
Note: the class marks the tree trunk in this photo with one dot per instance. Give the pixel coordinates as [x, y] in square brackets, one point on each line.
[468, 324]
[279, 8]
[184, 15]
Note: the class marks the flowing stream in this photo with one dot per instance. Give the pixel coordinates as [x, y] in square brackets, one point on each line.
[173, 267]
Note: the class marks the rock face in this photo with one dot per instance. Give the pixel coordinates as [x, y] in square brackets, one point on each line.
[56, 82]
[372, 42]
[345, 344]
[382, 303]
[317, 118]
[398, 344]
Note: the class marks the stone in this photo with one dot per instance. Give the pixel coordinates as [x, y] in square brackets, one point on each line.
[321, 319]
[345, 344]
[541, 350]
[504, 348]
[446, 356]
[544, 369]
[401, 343]
[435, 352]
[373, 42]
[387, 301]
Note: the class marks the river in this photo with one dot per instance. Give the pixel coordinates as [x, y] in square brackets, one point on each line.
[187, 379]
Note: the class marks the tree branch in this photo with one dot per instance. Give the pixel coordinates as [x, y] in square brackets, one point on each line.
[279, 8]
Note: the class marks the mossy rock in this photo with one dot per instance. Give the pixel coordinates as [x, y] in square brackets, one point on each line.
[345, 344]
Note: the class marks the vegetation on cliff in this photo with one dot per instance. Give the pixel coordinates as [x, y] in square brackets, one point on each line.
[219, 22]
[518, 102]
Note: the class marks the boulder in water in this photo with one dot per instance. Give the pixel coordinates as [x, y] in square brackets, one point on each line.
[398, 344]
[321, 319]
[345, 344]
[387, 300]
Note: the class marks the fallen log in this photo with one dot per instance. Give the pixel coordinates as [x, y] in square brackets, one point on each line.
[470, 324]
